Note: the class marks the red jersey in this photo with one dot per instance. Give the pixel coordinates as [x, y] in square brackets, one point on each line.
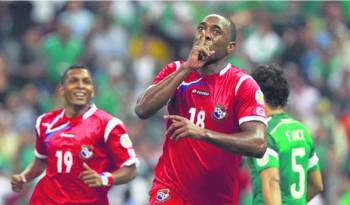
[201, 172]
[95, 138]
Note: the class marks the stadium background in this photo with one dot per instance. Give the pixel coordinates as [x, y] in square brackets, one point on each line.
[126, 44]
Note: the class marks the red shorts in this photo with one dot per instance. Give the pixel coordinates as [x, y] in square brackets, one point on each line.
[165, 196]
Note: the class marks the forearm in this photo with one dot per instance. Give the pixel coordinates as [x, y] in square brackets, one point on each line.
[270, 182]
[249, 143]
[124, 174]
[158, 95]
[272, 194]
[311, 192]
[34, 169]
[315, 184]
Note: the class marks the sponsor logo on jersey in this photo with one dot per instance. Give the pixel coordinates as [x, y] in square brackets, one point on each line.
[125, 141]
[67, 135]
[260, 111]
[162, 195]
[200, 92]
[220, 112]
[259, 97]
[86, 152]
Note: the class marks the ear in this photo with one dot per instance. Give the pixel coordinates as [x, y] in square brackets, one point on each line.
[60, 90]
[231, 47]
[93, 93]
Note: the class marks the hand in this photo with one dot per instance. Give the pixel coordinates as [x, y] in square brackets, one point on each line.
[90, 177]
[182, 127]
[17, 182]
[199, 54]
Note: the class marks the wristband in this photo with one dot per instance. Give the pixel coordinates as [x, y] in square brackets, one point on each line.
[106, 178]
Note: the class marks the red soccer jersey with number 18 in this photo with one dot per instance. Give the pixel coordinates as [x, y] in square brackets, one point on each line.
[201, 172]
[95, 138]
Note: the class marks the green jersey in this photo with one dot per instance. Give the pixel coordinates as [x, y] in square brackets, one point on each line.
[290, 149]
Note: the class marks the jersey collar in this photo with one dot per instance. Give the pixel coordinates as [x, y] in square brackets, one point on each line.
[224, 70]
[92, 109]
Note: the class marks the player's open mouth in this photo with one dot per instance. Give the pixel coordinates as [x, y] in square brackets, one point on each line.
[80, 95]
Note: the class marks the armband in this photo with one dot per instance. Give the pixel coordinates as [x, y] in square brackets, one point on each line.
[106, 178]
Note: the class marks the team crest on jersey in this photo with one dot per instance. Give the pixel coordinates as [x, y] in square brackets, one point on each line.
[163, 195]
[259, 97]
[220, 112]
[86, 152]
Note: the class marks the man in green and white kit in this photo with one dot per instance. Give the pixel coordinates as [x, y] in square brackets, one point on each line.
[289, 172]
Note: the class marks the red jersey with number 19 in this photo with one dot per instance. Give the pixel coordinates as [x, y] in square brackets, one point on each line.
[196, 170]
[95, 138]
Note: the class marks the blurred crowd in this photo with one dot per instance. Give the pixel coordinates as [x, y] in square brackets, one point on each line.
[126, 43]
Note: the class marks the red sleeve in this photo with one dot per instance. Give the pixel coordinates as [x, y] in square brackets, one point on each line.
[40, 148]
[120, 145]
[251, 105]
[167, 70]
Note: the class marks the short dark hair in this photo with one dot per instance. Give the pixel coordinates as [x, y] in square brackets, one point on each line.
[232, 30]
[75, 66]
[232, 27]
[273, 84]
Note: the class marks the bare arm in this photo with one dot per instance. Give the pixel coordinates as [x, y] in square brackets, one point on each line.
[124, 174]
[250, 141]
[34, 169]
[120, 176]
[158, 95]
[314, 184]
[270, 181]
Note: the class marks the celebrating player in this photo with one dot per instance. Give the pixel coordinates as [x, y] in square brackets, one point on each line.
[216, 113]
[83, 149]
[289, 172]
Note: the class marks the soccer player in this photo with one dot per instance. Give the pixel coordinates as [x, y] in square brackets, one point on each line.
[289, 172]
[83, 149]
[216, 114]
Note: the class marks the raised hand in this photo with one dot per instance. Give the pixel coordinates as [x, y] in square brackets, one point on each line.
[17, 182]
[183, 127]
[199, 54]
[90, 177]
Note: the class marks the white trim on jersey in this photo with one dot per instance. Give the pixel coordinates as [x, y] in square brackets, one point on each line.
[178, 64]
[38, 155]
[50, 125]
[240, 81]
[112, 123]
[312, 161]
[131, 161]
[37, 124]
[268, 119]
[285, 122]
[90, 112]
[49, 130]
[223, 71]
[189, 83]
[272, 152]
[252, 118]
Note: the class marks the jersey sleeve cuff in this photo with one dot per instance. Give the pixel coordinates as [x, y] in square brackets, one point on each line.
[313, 161]
[253, 118]
[40, 156]
[131, 161]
